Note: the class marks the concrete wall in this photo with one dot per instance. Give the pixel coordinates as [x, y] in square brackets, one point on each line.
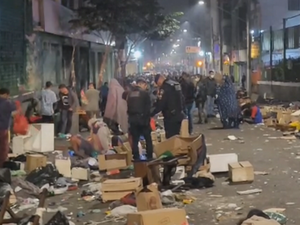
[284, 91]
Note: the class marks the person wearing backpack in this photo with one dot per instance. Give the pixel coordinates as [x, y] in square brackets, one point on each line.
[200, 101]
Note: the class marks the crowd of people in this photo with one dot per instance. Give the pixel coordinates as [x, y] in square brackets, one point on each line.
[128, 105]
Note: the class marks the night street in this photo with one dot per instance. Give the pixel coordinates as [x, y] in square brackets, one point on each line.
[221, 204]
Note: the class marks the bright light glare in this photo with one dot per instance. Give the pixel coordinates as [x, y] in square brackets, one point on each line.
[178, 40]
[185, 30]
[201, 2]
[175, 46]
[201, 53]
[252, 31]
[137, 54]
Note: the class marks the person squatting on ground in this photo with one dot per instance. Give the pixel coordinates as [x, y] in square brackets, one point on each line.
[171, 103]
[97, 143]
[138, 109]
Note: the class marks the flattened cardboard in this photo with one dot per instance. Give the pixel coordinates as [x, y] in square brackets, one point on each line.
[64, 167]
[148, 198]
[184, 130]
[166, 216]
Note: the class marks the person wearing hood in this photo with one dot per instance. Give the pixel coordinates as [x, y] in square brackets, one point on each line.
[67, 104]
[211, 88]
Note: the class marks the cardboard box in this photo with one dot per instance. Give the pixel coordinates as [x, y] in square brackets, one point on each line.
[167, 216]
[112, 162]
[241, 172]
[219, 162]
[180, 146]
[184, 130]
[80, 173]
[284, 117]
[148, 198]
[118, 188]
[125, 148]
[63, 165]
[270, 122]
[162, 136]
[35, 161]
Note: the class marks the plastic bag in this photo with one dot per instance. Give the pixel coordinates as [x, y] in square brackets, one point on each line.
[4, 188]
[152, 124]
[25, 221]
[44, 175]
[5, 175]
[20, 122]
[58, 219]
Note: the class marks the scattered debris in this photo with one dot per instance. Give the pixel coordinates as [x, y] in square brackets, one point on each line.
[260, 173]
[275, 210]
[250, 192]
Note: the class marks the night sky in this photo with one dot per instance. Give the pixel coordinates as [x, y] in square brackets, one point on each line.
[174, 5]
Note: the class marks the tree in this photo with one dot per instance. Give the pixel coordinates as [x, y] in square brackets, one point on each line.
[76, 36]
[126, 22]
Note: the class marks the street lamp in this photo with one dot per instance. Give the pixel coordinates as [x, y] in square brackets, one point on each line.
[201, 53]
[185, 30]
[201, 2]
[137, 54]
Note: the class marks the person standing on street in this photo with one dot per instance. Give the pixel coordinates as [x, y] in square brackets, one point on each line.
[188, 91]
[103, 97]
[170, 103]
[211, 87]
[201, 98]
[93, 98]
[67, 104]
[244, 78]
[7, 108]
[138, 109]
[49, 101]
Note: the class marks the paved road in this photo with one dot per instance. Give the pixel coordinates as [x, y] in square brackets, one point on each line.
[280, 187]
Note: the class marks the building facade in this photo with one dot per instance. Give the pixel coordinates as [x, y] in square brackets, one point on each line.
[38, 42]
[288, 10]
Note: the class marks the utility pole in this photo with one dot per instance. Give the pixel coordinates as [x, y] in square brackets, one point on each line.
[212, 37]
[249, 40]
[271, 54]
[284, 48]
[220, 6]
